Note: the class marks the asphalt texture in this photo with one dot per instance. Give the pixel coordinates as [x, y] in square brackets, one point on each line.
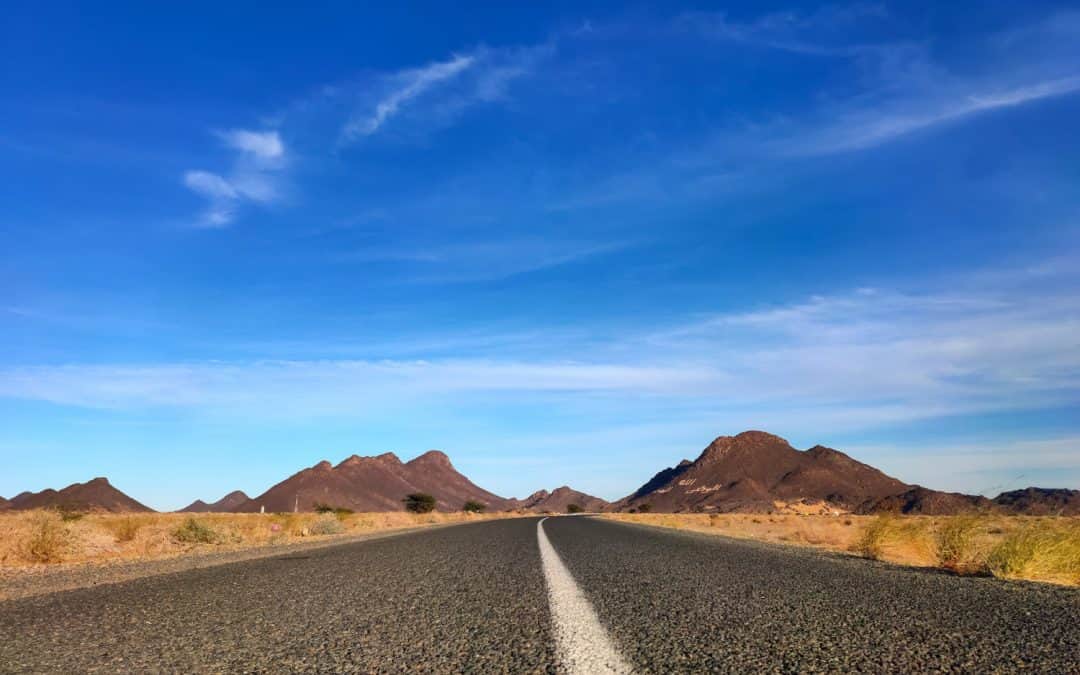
[472, 598]
[685, 602]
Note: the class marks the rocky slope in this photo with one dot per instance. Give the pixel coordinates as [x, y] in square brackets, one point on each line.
[1040, 501]
[751, 471]
[375, 484]
[95, 495]
[558, 500]
[758, 472]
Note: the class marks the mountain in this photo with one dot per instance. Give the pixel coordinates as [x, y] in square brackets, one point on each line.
[751, 471]
[4, 503]
[1040, 501]
[926, 502]
[375, 484]
[227, 504]
[558, 500]
[94, 495]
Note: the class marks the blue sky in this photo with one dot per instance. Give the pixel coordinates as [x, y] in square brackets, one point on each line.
[565, 244]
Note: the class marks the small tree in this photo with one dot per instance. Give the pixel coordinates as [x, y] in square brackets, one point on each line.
[473, 506]
[574, 508]
[644, 508]
[419, 502]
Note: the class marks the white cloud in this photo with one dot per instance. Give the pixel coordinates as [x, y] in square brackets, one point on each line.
[324, 387]
[410, 85]
[862, 129]
[482, 260]
[254, 176]
[815, 33]
[209, 185]
[262, 144]
[849, 361]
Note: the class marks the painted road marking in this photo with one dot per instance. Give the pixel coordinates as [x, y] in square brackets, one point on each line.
[581, 643]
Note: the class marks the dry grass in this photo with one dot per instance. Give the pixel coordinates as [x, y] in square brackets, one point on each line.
[33, 538]
[1012, 547]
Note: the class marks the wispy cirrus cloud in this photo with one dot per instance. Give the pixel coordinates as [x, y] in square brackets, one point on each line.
[859, 360]
[412, 83]
[860, 129]
[486, 260]
[823, 32]
[253, 178]
[437, 92]
[900, 88]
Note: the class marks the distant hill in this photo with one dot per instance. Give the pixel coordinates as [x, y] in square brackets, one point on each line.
[4, 503]
[751, 471]
[227, 504]
[758, 472]
[94, 495]
[1040, 501]
[926, 502]
[558, 500]
[375, 484]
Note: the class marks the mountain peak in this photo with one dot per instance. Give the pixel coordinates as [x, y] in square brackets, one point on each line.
[433, 457]
[323, 466]
[747, 441]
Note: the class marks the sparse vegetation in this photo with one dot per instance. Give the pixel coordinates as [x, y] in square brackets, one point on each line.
[69, 513]
[339, 511]
[324, 526]
[956, 545]
[574, 508]
[32, 538]
[125, 528]
[472, 506]
[48, 540]
[644, 508]
[194, 531]
[419, 502]
[1036, 548]
[1048, 550]
[871, 542]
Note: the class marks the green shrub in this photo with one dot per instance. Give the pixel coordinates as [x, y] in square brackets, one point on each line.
[327, 526]
[69, 513]
[125, 529]
[872, 540]
[419, 502]
[955, 545]
[473, 506]
[1039, 550]
[574, 508]
[339, 511]
[644, 508]
[196, 532]
[48, 540]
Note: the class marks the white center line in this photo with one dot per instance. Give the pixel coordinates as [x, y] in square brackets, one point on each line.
[581, 643]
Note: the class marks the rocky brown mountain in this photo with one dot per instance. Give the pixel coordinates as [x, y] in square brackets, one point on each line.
[4, 503]
[559, 500]
[926, 502]
[756, 471]
[375, 484]
[227, 504]
[751, 471]
[1040, 501]
[94, 495]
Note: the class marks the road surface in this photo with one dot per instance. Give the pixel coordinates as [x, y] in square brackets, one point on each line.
[564, 595]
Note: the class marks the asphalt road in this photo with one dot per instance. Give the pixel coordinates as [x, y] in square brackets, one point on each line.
[475, 598]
